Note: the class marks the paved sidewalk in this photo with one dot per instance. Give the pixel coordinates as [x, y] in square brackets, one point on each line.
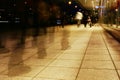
[69, 53]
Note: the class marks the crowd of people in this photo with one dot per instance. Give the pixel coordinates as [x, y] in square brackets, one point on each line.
[85, 19]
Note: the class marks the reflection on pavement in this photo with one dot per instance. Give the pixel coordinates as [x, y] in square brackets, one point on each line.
[65, 40]
[16, 65]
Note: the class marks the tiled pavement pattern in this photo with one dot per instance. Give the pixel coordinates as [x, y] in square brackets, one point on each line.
[69, 53]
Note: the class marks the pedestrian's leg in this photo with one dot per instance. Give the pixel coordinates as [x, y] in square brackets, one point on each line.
[85, 24]
[78, 23]
[90, 24]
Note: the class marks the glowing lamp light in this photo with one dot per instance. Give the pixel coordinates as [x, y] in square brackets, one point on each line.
[69, 2]
[75, 6]
[96, 7]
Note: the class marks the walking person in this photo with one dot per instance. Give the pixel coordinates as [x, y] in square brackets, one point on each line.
[89, 21]
[78, 17]
[84, 20]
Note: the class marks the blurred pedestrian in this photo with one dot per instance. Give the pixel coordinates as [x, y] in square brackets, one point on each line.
[78, 17]
[89, 21]
[84, 20]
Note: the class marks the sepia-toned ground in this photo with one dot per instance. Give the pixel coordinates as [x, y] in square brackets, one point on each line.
[69, 53]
